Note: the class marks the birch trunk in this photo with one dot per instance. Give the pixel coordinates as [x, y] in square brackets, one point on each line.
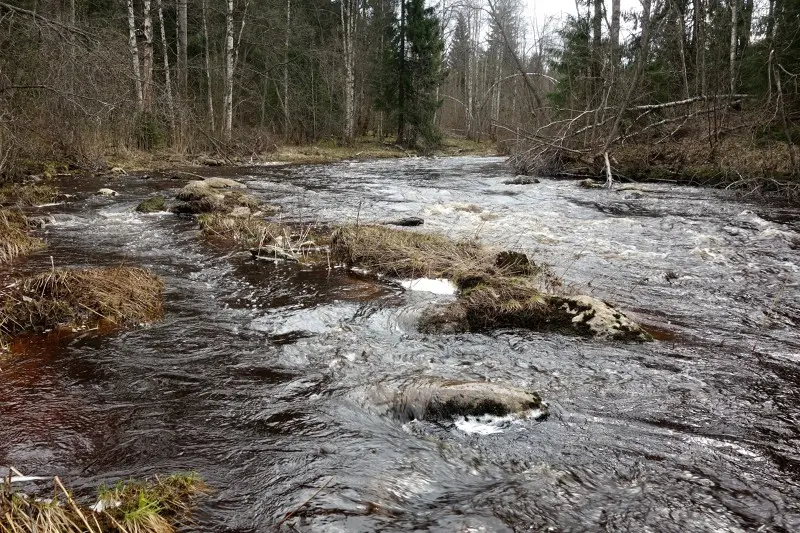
[227, 99]
[349, 10]
[167, 75]
[147, 56]
[734, 41]
[133, 49]
[210, 99]
[183, 39]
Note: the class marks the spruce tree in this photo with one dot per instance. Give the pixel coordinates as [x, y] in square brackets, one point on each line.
[423, 72]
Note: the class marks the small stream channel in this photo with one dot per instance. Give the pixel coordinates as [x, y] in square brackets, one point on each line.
[266, 378]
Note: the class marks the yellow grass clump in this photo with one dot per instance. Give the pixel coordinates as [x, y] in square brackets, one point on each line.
[79, 297]
[247, 231]
[15, 238]
[28, 195]
[408, 254]
[158, 505]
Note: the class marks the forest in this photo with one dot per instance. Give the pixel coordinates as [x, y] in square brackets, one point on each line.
[691, 90]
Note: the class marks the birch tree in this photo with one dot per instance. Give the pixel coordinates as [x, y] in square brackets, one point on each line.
[349, 15]
[227, 91]
[133, 49]
[167, 76]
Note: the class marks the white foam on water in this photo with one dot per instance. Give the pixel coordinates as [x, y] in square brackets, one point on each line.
[436, 286]
[491, 424]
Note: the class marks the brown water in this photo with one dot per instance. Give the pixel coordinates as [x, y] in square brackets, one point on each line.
[266, 378]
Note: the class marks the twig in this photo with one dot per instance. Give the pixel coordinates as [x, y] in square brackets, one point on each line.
[291, 513]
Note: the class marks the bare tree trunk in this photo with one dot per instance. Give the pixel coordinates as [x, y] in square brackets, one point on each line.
[734, 41]
[471, 69]
[680, 33]
[349, 12]
[147, 56]
[784, 121]
[183, 32]
[227, 98]
[133, 49]
[700, 47]
[286, 124]
[208, 70]
[614, 33]
[640, 62]
[167, 76]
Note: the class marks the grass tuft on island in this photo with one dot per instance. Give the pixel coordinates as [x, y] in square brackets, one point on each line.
[157, 505]
[28, 195]
[245, 231]
[15, 238]
[496, 289]
[79, 298]
[408, 254]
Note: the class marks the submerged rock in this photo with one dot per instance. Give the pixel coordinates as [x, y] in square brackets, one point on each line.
[599, 319]
[406, 222]
[589, 183]
[445, 320]
[107, 192]
[441, 400]
[153, 204]
[521, 180]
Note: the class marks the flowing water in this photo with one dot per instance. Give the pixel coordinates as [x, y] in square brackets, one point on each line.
[266, 378]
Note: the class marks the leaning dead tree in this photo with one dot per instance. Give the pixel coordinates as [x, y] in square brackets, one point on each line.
[614, 109]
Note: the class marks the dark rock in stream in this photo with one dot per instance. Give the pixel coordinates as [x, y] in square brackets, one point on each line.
[514, 263]
[442, 400]
[153, 204]
[521, 180]
[407, 222]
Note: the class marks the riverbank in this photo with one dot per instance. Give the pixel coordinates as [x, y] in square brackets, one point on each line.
[757, 167]
[328, 151]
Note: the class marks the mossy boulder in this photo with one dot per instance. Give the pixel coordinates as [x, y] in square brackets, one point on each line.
[442, 400]
[153, 204]
[214, 195]
[597, 318]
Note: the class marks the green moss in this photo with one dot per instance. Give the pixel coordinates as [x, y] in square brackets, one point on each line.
[152, 205]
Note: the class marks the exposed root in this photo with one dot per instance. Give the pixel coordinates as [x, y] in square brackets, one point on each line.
[80, 297]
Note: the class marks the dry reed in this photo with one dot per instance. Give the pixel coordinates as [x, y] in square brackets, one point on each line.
[247, 231]
[158, 505]
[15, 238]
[79, 297]
[28, 195]
[407, 254]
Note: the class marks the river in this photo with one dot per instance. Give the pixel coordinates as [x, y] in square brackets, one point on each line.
[262, 377]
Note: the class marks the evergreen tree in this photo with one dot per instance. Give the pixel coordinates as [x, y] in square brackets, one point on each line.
[421, 75]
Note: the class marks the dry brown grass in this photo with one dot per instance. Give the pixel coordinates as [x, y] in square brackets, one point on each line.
[28, 195]
[15, 238]
[158, 505]
[508, 302]
[80, 297]
[408, 254]
[245, 231]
